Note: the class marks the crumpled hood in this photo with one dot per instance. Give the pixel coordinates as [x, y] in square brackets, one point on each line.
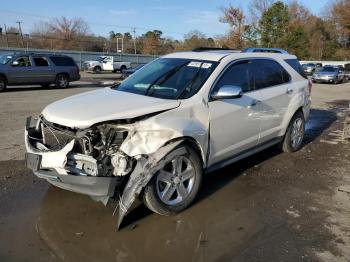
[86, 109]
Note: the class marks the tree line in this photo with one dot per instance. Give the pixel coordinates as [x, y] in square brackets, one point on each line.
[268, 23]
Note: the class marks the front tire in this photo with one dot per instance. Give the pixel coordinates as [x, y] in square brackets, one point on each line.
[97, 69]
[174, 187]
[293, 139]
[62, 81]
[122, 68]
[3, 84]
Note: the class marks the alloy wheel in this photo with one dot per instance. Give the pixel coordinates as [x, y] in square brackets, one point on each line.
[175, 181]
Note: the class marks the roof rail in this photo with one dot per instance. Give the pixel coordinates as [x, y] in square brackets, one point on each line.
[264, 50]
[203, 49]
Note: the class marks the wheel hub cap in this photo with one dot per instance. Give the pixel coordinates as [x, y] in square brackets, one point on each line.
[175, 181]
[297, 132]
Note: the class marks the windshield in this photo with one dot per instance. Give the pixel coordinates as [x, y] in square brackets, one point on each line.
[328, 69]
[5, 58]
[169, 78]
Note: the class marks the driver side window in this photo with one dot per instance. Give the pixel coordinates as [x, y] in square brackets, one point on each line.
[23, 61]
[238, 74]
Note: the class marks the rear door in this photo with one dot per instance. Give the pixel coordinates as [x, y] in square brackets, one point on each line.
[44, 72]
[234, 123]
[276, 91]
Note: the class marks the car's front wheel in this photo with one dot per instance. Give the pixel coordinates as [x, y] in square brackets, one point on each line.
[62, 81]
[293, 139]
[3, 84]
[175, 186]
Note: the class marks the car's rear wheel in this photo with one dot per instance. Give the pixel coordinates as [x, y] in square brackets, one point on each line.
[293, 139]
[175, 186]
[62, 81]
[3, 84]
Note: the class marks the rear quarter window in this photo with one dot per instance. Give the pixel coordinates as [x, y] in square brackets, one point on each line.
[62, 61]
[296, 66]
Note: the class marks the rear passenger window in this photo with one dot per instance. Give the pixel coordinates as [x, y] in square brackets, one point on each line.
[268, 73]
[40, 61]
[62, 61]
[238, 74]
[296, 66]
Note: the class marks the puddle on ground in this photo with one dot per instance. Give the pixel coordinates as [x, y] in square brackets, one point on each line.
[76, 228]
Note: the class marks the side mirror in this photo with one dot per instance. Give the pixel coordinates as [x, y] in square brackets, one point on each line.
[227, 92]
[15, 63]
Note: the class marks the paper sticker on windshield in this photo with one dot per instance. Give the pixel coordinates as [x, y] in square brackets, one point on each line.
[195, 64]
[206, 65]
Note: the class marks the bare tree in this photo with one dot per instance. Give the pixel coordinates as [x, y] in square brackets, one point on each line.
[257, 8]
[235, 18]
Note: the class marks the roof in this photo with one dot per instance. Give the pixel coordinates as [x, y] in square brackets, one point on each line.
[218, 55]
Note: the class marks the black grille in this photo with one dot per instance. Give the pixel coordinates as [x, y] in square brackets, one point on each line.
[57, 139]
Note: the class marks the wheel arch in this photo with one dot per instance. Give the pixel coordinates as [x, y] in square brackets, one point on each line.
[4, 76]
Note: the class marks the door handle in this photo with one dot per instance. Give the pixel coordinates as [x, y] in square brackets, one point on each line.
[289, 91]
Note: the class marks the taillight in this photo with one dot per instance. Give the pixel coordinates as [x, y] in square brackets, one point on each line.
[310, 86]
[78, 70]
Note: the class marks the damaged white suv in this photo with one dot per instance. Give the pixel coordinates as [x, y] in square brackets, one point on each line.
[155, 134]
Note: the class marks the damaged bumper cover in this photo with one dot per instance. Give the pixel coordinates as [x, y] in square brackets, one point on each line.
[51, 166]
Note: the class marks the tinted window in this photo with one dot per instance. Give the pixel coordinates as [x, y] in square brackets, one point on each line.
[62, 61]
[296, 66]
[268, 73]
[40, 61]
[239, 74]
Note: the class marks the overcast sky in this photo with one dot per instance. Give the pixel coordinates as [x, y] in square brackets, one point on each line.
[174, 18]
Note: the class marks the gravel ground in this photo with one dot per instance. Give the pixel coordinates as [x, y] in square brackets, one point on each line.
[268, 207]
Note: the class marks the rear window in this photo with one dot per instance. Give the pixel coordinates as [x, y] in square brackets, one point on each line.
[62, 61]
[296, 66]
[40, 61]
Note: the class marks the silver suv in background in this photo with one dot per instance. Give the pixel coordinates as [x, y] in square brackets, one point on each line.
[156, 133]
[329, 74]
[37, 69]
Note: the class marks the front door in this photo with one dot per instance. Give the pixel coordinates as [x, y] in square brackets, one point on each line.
[20, 71]
[234, 123]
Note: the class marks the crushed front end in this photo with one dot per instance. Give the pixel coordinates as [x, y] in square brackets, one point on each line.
[84, 161]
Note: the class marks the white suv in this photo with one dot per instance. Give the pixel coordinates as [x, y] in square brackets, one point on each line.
[155, 134]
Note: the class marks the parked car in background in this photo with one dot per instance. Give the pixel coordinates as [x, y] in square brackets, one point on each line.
[309, 68]
[105, 63]
[156, 133]
[347, 71]
[329, 74]
[128, 72]
[42, 69]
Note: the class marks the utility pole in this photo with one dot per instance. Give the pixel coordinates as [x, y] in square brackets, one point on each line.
[20, 31]
[7, 38]
[134, 31]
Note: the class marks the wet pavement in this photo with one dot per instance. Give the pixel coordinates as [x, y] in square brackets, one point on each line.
[268, 207]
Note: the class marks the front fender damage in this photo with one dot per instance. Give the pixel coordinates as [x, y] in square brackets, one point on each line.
[144, 170]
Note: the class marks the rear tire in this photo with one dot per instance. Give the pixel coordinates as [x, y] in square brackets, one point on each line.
[3, 84]
[62, 81]
[293, 139]
[172, 189]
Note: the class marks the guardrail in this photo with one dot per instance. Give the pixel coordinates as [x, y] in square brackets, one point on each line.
[81, 56]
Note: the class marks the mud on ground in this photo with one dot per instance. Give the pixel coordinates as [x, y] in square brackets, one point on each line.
[269, 207]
